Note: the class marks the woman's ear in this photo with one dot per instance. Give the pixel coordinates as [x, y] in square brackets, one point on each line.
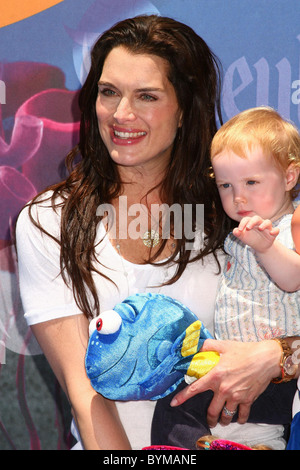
[292, 176]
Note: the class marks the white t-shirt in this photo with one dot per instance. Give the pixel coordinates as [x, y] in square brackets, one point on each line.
[45, 296]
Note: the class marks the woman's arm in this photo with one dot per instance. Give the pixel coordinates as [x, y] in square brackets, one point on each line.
[64, 342]
[296, 228]
[242, 374]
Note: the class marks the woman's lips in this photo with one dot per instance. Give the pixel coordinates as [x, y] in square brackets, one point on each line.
[127, 136]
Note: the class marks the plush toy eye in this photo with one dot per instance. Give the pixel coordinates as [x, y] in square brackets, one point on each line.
[99, 324]
[107, 323]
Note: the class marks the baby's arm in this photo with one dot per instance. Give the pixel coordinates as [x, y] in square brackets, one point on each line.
[281, 263]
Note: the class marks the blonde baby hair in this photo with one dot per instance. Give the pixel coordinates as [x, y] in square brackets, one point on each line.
[263, 127]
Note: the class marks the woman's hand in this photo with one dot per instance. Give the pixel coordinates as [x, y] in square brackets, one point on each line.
[242, 374]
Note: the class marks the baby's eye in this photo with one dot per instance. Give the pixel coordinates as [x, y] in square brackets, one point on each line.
[224, 185]
[251, 182]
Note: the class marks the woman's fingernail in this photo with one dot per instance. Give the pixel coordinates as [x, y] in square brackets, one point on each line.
[174, 402]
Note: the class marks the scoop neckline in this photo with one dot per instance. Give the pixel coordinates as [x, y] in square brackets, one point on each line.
[106, 239]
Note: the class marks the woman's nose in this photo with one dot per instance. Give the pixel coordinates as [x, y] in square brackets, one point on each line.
[124, 111]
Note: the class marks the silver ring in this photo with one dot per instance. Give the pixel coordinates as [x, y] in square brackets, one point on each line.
[228, 412]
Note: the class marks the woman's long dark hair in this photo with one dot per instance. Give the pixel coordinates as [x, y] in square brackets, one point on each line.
[195, 74]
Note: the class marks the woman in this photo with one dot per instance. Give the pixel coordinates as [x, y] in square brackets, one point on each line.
[148, 116]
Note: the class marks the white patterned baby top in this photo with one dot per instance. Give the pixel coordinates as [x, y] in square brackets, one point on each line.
[249, 305]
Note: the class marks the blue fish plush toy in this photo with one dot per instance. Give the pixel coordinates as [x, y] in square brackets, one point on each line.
[144, 347]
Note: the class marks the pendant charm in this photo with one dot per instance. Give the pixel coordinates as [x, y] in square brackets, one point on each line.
[150, 238]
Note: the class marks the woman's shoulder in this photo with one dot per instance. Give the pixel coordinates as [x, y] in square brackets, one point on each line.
[43, 211]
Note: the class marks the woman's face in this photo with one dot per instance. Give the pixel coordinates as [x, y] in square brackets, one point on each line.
[137, 109]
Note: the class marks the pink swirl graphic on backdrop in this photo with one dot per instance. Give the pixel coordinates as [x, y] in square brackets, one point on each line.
[37, 128]
[60, 117]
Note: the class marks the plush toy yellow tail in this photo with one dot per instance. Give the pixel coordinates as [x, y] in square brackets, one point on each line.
[202, 362]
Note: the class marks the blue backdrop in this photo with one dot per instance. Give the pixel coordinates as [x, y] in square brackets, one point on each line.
[44, 57]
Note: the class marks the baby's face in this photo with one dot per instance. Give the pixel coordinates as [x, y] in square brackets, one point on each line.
[250, 186]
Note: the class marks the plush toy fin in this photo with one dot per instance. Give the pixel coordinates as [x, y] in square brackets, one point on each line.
[195, 363]
[163, 350]
[163, 380]
[202, 363]
[190, 344]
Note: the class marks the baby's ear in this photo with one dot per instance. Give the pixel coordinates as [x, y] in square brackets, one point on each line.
[292, 176]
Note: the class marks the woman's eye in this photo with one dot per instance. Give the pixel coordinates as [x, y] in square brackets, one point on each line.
[251, 182]
[146, 97]
[107, 92]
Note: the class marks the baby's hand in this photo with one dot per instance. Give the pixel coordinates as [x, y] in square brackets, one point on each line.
[256, 232]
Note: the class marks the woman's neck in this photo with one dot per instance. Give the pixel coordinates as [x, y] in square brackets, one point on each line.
[140, 186]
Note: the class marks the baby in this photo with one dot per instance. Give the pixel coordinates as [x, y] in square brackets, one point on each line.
[256, 164]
